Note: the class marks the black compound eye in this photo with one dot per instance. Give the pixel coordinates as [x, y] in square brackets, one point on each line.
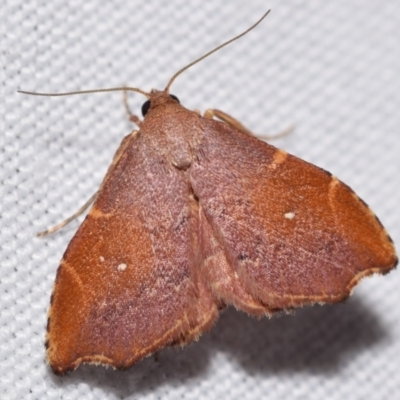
[175, 98]
[145, 107]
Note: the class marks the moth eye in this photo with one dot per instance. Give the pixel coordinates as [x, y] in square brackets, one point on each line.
[145, 107]
[175, 98]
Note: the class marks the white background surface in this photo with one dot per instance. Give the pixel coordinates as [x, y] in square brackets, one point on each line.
[332, 68]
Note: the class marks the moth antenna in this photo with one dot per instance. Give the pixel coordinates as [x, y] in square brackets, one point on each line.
[88, 91]
[214, 50]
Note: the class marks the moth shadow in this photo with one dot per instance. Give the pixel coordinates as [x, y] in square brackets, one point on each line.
[318, 340]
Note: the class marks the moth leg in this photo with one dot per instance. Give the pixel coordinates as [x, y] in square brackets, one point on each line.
[132, 117]
[213, 113]
[71, 218]
[116, 158]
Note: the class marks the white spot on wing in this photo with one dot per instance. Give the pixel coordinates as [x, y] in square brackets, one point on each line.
[101, 258]
[121, 267]
[290, 215]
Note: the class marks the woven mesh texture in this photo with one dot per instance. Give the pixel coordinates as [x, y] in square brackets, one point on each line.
[331, 68]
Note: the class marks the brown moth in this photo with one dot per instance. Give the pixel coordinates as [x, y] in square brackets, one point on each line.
[196, 214]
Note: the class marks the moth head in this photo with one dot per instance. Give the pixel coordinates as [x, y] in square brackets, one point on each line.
[161, 99]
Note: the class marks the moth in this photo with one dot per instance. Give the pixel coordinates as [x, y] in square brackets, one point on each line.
[195, 214]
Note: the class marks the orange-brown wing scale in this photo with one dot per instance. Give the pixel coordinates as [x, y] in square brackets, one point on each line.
[128, 283]
[277, 231]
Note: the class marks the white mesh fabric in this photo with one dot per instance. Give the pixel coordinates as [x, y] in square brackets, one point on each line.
[329, 67]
